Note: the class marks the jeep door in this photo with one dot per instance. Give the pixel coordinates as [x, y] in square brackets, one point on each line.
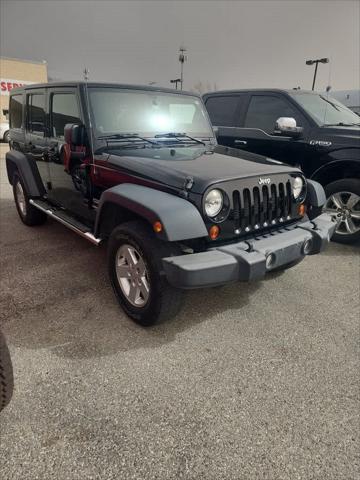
[257, 132]
[64, 107]
[35, 132]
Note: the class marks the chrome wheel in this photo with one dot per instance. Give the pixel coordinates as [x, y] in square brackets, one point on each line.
[20, 198]
[132, 275]
[345, 208]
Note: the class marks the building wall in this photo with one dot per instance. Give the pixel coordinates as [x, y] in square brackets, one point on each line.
[15, 72]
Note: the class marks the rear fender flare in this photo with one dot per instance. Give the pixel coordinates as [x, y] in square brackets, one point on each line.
[181, 220]
[28, 171]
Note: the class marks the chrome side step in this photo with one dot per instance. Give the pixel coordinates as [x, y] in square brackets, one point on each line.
[59, 216]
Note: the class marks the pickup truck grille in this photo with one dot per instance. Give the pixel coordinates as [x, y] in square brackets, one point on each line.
[260, 207]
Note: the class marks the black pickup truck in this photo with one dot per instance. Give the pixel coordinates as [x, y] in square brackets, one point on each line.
[301, 128]
[141, 168]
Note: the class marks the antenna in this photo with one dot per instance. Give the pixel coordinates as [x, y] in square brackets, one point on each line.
[86, 78]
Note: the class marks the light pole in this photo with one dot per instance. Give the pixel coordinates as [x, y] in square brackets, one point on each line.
[311, 62]
[182, 60]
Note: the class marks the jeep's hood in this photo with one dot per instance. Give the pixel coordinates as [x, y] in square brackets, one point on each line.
[205, 168]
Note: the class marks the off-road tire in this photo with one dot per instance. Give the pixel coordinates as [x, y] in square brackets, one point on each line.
[164, 300]
[6, 374]
[346, 185]
[31, 216]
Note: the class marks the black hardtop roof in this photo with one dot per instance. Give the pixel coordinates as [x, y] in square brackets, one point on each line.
[266, 90]
[103, 84]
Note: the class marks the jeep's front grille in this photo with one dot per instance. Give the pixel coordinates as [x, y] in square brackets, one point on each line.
[261, 207]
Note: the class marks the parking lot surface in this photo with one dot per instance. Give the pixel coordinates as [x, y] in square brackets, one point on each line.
[250, 381]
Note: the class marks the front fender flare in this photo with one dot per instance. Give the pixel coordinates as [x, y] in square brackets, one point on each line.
[181, 220]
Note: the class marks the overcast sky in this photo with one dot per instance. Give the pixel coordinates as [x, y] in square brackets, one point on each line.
[230, 44]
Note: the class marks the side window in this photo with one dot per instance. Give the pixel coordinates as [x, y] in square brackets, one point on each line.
[64, 109]
[264, 110]
[36, 113]
[222, 110]
[16, 111]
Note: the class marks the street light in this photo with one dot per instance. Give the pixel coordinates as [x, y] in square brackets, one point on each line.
[311, 62]
[182, 60]
[176, 81]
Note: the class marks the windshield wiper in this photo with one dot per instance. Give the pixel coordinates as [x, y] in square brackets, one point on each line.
[179, 136]
[132, 138]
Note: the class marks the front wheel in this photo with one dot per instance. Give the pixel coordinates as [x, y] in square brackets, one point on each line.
[7, 137]
[135, 270]
[343, 203]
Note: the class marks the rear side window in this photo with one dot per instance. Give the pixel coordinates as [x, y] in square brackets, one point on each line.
[36, 113]
[16, 111]
[264, 110]
[64, 109]
[222, 110]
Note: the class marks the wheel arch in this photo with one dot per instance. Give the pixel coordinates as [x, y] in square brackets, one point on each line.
[337, 170]
[180, 219]
[18, 162]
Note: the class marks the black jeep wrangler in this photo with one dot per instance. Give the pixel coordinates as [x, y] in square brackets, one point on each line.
[306, 129]
[141, 167]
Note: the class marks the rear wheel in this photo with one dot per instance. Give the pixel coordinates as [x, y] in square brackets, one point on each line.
[29, 214]
[135, 270]
[343, 203]
[6, 374]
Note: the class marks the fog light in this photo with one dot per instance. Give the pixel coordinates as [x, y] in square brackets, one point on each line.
[302, 209]
[270, 261]
[307, 246]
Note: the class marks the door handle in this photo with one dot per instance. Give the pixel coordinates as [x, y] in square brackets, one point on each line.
[240, 142]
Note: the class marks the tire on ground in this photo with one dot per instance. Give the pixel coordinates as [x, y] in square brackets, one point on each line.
[164, 300]
[345, 185]
[6, 374]
[28, 214]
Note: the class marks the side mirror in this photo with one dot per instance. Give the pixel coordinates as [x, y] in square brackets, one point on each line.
[74, 134]
[287, 126]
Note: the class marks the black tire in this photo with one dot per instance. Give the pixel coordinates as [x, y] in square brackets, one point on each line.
[6, 137]
[28, 214]
[164, 301]
[6, 374]
[351, 185]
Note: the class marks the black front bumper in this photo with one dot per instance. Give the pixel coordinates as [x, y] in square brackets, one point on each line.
[250, 260]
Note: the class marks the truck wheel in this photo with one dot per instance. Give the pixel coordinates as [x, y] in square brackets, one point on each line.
[135, 269]
[29, 214]
[6, 374]
[343, 203]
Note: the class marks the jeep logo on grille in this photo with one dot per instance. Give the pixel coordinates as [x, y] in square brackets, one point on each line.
[264, 181]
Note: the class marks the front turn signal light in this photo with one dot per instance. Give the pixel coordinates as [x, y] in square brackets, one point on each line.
[214, 232]
[301, 209]
[158, 227]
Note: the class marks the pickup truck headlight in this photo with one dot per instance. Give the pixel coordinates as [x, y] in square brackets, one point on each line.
[298, 186]
[213, 202]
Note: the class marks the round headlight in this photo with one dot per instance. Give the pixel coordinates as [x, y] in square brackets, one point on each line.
[298, 186]
[213, 203]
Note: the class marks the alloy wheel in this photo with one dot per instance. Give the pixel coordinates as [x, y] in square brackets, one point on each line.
[345, 208]
[132, 275]
[20, 198]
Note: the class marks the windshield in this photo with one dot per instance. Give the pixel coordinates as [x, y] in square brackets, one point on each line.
[326, 110]
[147, 113]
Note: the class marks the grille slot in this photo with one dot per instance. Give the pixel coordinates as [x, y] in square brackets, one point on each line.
[260, 207]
